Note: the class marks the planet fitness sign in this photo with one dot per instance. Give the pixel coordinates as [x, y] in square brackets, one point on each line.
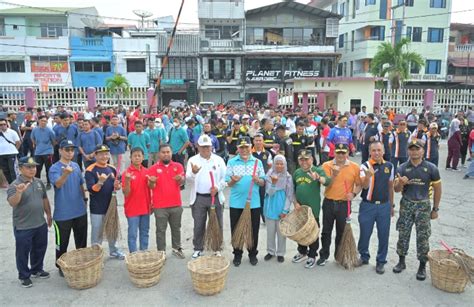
[277, 75]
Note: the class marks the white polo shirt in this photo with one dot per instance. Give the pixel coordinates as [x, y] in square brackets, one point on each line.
[5, 147]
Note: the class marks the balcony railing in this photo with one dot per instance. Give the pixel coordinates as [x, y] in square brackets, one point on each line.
[465, 48]
[222, 43]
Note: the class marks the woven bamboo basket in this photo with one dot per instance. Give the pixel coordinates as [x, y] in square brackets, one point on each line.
[82, 267]
[446, 273]
[144, 267]
[300, 226]
[209, 274]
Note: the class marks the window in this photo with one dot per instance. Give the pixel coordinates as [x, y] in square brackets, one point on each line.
[92, 66]
[334, 8]
[409, 2]
[12, 66]
[357, 4]
[353, 41]
[377, 33]
[264, 64]
[221, 69]
[339, 69]
[409, 31]
[58, 64]
[341, 41]
[181, 68]
[369, 2]
[417, 34]
[221, 32]
[441, 4]
[2, 27]
[414, 69]
[433, 67]
[435, 35]
[53, 29]
[342, 9]
[136, 65]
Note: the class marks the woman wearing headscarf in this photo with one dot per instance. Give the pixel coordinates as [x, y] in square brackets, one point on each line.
[454, 145]
[279, 195]
[254, 128]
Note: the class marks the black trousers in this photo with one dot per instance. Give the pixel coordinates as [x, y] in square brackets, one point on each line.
[313, 247]
[365, 153]
[26, 148]
[332, 211]
[45, 160]
[62, 230]
[261, 191]
[7, 164]
[56, 154]
[464, 146]
[234, 219]
[178, 158]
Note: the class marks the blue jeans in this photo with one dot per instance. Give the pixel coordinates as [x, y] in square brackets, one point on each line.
[31, 245]
[470, 170]
[97, 221]
[139, 224]
[369, 214]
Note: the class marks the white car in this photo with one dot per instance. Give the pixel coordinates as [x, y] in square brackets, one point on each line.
[206, 105]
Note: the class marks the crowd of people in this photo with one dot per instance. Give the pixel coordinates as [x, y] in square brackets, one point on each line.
[287, 154]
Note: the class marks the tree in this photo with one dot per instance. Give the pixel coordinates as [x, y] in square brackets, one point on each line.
[393, 62]
[117, 86]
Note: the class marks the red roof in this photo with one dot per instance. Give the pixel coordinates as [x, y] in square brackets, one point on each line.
[461, 62]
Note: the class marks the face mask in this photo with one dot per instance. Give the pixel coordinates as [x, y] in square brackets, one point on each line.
[176, 124]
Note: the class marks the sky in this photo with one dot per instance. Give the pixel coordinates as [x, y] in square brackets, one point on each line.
[189, 15]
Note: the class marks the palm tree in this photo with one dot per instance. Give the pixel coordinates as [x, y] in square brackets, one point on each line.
[117, 85]
[393, 62]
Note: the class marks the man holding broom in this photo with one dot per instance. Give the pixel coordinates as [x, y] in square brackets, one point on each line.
[344, 186]
[241, 171]
[101, 182]
[206, 174]
[414, 179]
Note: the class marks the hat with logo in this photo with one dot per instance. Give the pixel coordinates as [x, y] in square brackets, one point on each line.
[101, 148]
[416, 143]
[304, 154]
[244, 141]
[204, 140]
[66, 144]
[27, 161]
[341, 148]
[158, 120]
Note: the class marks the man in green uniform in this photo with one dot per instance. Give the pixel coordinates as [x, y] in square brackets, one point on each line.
[307, 181]
[414, 179]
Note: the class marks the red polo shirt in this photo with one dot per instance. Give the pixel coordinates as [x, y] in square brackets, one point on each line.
[139, 200]
[167, 192]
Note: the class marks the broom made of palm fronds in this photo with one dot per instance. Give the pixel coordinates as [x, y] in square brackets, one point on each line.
[243, 230]
[3, 180]
[213, 237]
[111, 225]
[347, 254]
[462, 259]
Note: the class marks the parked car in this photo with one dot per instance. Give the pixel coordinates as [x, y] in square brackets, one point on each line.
[174, 103]
[206, 105]
[236, 103]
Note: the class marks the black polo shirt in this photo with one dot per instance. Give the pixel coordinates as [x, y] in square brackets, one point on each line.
[232, 146]
[421, 177]
[370, 131]
[220, 136]
[268, 137]
[378, 186]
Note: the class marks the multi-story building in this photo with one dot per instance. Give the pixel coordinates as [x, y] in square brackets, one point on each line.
[221, 27]
[34, 45]
[461, 56]
[367, 23]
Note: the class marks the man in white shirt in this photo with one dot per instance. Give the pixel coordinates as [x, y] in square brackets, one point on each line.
[206, 174]
[9, 144]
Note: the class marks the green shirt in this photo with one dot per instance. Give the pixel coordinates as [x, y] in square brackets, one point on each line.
[307, 190]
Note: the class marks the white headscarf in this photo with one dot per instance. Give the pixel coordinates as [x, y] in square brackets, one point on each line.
[285, 181]
[454, 127]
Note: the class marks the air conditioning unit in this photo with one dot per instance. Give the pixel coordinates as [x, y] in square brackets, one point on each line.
[449, 78]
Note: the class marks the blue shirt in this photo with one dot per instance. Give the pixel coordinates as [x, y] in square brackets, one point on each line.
[70, 133]
[274, 205]
[100, 200]
[141, 140]
[340, 136]
[88, 141]
[43, 138]
[156, 136]
[68, 200]
[116, 147]
[100, 131]
[239, 192]
[177, 138]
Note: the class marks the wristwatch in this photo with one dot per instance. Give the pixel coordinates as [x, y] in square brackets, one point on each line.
[435, 209]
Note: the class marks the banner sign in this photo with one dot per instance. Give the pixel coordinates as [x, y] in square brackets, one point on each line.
[277, 75]
[44, 66]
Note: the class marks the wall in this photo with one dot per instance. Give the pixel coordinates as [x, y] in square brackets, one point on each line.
[13, 20]
[221, 10]
[75, 22]
[33, 24]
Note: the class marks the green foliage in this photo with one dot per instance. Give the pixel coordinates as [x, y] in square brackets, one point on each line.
[117, 85]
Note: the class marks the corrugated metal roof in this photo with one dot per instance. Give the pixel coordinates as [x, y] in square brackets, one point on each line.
[296, 6]
[37, 11]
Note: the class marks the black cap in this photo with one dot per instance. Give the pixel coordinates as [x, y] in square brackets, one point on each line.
[101, 148]
[27, 161]
[280, 127]
[244, 141]
[304, 154]
[416, 143]
[341, 148]
[66, 144]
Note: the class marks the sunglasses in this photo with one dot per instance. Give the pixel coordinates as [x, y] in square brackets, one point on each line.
[69, 149]
[341, 152]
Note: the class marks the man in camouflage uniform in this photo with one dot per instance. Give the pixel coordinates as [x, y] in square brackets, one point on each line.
[414, 179]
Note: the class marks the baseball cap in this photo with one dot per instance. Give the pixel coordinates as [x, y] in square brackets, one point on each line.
[387, 124]
[66, 144]
[101, 148]
[433, 125]
[416, 143]
[158, 120]
[245, 116]
[11, 112]
[341, 148]
[280, 127]
[384, 116]
[244, 141]
[304, 154]
[27, 161]
[204, 140]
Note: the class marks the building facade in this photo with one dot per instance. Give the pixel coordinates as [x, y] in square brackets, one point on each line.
[367, 23]
[461, 56]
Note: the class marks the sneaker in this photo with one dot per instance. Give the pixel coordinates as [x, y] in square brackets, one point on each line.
[465, 177]
[48, 186]
[26, 283]
[41, 275]
[253, 260]
[268, 257]
[379, 268]
[321, 262]
[281, 259]
[178, 252]
[456, 170]
[310, 263]
[298, 258]
[117, 255]
[196, 254]
[237, 261]
[363, 261]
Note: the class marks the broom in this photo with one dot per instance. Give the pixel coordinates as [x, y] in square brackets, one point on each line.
[346, 254]
[3, 180]
[462, 260]
[243, 231]
[111, 226]
[213, 236]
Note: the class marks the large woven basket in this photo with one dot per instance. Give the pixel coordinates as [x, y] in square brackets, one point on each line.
[300, 226]
[446, 273]
[209, 274]
[82, 267]
[144, 267]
